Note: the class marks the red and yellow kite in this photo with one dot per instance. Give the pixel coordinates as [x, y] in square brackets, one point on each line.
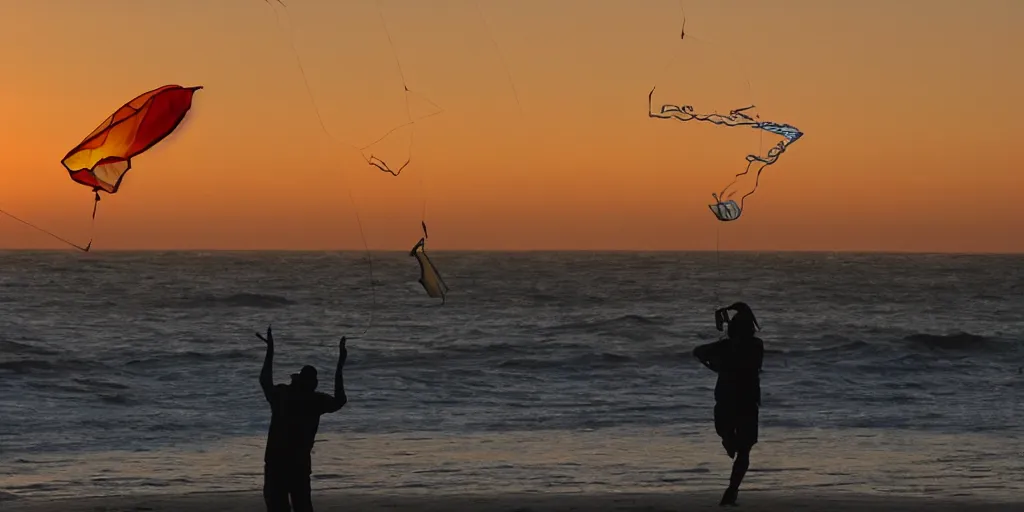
[104, 157]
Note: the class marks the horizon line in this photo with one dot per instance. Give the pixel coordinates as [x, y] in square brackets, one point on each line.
[507, 251]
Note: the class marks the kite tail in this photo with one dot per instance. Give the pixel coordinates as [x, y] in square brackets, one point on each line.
[650, 102]
[757, 181]
[736, 117]
[764, 164]
[736, 178]
[50, 233]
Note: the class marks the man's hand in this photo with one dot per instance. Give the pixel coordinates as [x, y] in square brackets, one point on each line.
[342, 350]
[268, 339]
[267, 374]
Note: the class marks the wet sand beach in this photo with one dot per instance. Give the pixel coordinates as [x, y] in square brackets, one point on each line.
[749, 501]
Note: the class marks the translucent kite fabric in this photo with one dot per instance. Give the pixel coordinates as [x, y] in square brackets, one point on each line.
[430, 278]
[725, 210]
[730, 210]
[104, 157]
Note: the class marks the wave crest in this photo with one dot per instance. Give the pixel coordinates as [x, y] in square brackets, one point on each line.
[239, 300]
[960, 341]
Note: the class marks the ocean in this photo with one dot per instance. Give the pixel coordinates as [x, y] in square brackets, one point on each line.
[544, 372]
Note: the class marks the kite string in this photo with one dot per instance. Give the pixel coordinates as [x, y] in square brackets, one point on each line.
[675, 51]
[718, 262]
[289, 33]
[50, 233]
[290, 36]
[394, 53]
[408, 109]
[401, 75]
[409, 118]
[501, 56]
[355, 206]
[369, 259]
[380, 164]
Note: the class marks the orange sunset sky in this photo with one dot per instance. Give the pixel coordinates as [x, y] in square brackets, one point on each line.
[912, 113]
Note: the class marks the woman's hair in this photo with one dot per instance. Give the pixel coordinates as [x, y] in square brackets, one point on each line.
[742, 325]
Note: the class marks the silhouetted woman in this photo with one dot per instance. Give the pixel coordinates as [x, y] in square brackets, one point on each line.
[737, 361]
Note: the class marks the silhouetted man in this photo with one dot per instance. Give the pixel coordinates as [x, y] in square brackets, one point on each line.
[737, 361]
[295, 418]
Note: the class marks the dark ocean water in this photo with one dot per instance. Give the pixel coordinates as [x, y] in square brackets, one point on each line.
[119, 370]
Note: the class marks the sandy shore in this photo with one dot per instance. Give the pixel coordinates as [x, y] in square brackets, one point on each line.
[753, 501]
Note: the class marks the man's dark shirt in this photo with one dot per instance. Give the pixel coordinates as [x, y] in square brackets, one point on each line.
[738, 364]
[295, 418]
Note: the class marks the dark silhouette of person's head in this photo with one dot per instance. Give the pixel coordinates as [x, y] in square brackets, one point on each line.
[305, 380]
[742, 325]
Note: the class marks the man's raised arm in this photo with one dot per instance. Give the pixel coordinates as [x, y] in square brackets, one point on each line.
[267, 374]
[339, 399]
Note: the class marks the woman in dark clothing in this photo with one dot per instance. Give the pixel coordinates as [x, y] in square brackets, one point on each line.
[737, 361]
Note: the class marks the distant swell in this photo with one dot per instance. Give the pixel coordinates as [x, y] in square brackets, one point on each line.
[26, 366]
[189, 358]
[843, 346]
[36, 366]
[588, 361]
[959, 341]
[14, 347]
[628, 326]
[239, 300]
